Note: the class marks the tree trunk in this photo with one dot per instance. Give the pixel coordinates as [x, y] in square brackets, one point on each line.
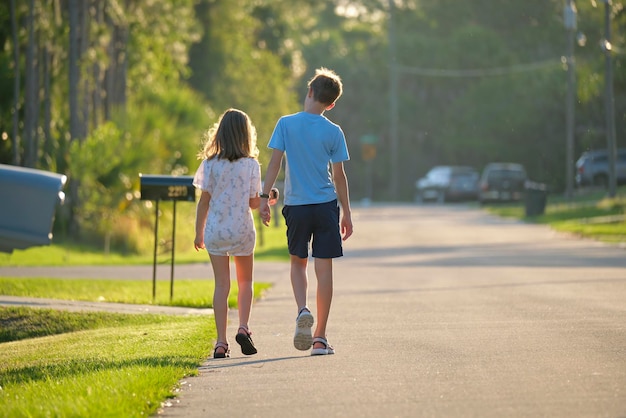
[83, 45]
[48, 147]
[116, 72]
[96, 112]
[16, 86]
[74, 73]
[75, 115]
[31, 93]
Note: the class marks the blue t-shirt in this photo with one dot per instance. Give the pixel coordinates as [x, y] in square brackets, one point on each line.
[311, 143]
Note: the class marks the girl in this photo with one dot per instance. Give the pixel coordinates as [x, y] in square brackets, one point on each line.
[230, 179]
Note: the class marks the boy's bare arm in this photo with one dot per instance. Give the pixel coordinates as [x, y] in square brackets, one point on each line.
[273, 168]
[343, 195]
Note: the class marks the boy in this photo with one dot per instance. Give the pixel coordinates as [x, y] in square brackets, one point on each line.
[312, 144]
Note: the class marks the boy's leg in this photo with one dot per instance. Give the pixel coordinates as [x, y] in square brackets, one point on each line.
[299, 229]
[303, 337]
[244, 267]
[221, 271]
[326, 246]
[300, 224]
[324, 273]
[299, 280]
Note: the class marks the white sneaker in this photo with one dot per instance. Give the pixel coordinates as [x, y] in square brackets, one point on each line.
[328, 349]
[303, 338]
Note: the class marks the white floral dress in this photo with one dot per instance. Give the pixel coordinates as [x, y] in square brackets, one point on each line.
[229, 228]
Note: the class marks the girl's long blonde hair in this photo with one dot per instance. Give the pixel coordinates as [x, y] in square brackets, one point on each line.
[232, 137]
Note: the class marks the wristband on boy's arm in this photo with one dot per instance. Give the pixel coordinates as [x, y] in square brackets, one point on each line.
[273, 194]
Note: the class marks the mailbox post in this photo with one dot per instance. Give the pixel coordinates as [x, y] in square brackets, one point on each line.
[169, 188]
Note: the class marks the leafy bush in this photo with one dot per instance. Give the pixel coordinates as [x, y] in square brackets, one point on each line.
[160, 134]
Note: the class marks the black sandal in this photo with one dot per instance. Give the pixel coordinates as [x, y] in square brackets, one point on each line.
[245, 341]
[222, 346]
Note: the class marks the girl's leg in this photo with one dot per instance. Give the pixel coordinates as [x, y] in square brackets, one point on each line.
[221, 270]
[244, 267]
[324, 273]
[299, 280]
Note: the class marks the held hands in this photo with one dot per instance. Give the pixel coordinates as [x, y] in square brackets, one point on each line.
[264, 209]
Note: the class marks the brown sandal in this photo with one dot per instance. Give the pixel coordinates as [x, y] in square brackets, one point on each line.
[224, 348]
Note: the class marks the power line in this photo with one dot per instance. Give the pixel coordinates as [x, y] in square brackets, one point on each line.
[520, 68]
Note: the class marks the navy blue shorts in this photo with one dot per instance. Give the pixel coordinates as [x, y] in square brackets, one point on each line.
[317, 223]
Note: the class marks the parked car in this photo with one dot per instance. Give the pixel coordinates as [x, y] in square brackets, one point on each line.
[592, 168]
[502, 182]
[448, 183]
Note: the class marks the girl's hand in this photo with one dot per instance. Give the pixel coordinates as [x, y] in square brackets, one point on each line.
[198, 243]
[265, 213]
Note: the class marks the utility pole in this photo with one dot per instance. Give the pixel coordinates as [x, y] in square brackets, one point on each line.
[393, 105]
[569, 19]
[610, 101]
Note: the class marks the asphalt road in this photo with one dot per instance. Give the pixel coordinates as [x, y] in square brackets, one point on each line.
[439, 311]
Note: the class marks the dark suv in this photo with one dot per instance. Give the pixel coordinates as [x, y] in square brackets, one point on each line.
[502, 182]
[592, 168]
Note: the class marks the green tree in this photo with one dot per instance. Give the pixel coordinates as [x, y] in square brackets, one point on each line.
[233, 67]
[147, 78]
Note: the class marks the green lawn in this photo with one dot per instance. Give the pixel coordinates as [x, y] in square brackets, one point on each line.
[95, 364]
[271, 246]
[87, 364]
[188, 293]
[56, 363]
[591, 215]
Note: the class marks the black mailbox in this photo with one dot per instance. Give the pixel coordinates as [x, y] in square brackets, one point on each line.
[160, 187]
[28, 201]
[172, 188]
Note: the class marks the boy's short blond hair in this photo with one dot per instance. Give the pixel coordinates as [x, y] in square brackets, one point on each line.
[326, 86]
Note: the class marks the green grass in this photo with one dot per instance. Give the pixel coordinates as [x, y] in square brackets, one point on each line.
[271, 246]
[96, 364]
[56, 363]
[591, 215]
[188, 293]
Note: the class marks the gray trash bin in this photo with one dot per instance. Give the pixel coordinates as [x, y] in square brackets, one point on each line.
[535, 198]
[28, 201]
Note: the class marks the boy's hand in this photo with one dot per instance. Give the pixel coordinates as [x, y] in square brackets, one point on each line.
[346, 227]
[273, 196]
